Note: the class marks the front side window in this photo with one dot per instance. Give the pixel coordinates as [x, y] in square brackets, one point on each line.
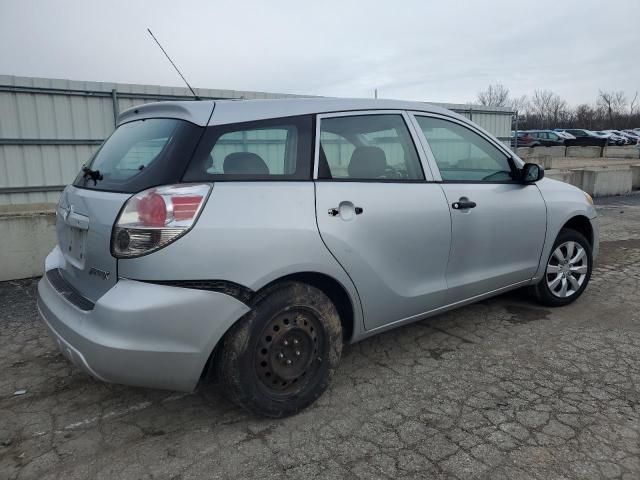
[367, 147]
[463, 155]
[276, 149]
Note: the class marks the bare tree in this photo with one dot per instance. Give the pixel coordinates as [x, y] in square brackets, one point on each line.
[612, 103]
[633, 105]
[585, 116]
[558, 110]
[546, 109]
[520, 104]
[541, 105]
[494, 96]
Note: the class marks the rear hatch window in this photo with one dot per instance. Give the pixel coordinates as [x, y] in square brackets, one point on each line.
[138, 155]
[141, 154]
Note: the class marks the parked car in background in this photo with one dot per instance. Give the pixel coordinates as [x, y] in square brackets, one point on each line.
[585, 138]
[612, 138]
[547, 138]
[249, 242]
[619, 139]
[524, 140]
[635, 135]
[630, 139]
[563, 134]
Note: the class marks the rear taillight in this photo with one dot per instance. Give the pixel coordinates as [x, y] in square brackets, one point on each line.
[156, 217]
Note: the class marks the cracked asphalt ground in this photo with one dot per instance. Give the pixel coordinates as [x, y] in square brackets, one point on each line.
[500, 389]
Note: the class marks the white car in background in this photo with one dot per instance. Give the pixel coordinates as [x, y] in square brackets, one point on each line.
[565, 135]
[633, 134]
[614, 139]
[629, 139]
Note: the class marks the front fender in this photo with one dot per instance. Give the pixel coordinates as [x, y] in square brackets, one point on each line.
[563, 202]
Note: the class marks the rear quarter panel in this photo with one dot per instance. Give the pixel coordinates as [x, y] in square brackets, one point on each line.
[563, 202]
[250, 233]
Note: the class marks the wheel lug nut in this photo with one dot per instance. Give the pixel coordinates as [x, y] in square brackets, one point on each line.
[285, 343]
[288, 362]
[281, 355]
[295, 341]
[298, 353]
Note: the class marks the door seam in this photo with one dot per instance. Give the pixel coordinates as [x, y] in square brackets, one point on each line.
[355, 287]
[446, 272]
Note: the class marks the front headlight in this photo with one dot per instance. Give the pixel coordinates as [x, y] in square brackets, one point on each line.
[588, 197]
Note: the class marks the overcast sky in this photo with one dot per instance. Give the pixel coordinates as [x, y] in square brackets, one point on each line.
[416, 50]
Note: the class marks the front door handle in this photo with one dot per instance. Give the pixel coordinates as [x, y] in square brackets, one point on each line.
[463, 205]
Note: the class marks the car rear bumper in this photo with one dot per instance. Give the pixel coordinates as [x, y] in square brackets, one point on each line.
[139, 333]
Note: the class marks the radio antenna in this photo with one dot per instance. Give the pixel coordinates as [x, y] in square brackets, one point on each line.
[174, 65]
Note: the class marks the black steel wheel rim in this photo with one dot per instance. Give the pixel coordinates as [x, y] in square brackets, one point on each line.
[289, 351]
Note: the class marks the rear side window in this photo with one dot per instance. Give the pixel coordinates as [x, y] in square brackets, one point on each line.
[367, 147]
[141, 154]
[275, 149]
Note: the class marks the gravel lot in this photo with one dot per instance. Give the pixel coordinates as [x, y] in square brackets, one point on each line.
[500, 389]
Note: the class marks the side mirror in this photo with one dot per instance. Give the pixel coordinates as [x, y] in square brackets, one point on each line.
[531, 172]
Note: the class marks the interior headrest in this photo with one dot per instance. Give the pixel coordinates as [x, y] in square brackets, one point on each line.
[208, 163]
[243, 163]
[367, 162]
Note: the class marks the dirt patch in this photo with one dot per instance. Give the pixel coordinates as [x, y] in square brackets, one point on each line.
[525, 314]
[614, 251]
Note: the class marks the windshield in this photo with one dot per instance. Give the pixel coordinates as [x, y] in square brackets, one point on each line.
[141, 154]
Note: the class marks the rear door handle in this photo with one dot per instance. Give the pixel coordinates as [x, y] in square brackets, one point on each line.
[463, 205]
[334, 212]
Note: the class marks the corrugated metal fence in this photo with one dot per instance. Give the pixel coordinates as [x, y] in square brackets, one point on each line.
[50, 127]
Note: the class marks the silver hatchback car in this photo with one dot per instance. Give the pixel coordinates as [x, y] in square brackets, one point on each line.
[246, 241]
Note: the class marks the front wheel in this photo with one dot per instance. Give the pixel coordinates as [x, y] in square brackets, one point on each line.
[279, 357]
[567, 271]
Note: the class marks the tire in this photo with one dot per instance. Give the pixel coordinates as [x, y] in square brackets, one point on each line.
[550, 293]
[278, 359]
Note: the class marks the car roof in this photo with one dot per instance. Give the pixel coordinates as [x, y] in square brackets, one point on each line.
[235, 111]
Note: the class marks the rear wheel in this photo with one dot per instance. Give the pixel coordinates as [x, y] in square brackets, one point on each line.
[568, 270]
[278, 358]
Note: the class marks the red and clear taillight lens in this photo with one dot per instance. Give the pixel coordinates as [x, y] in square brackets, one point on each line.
[156, 217]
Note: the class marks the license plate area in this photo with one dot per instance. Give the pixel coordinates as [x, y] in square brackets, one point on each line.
[75, 246]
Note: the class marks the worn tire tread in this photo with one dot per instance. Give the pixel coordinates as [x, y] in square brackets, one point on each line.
[236, 346]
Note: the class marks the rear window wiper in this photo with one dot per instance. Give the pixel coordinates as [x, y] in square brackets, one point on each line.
[94, 175]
